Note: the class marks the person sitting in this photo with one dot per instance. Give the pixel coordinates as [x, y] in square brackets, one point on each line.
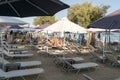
[48, 42]
[56, 42]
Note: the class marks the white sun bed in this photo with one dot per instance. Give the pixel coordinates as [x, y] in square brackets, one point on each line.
[57, 53]
[16, 55]
[21, 73]
[79, 66]
[23, 64]
[76, 59]
[10, 52]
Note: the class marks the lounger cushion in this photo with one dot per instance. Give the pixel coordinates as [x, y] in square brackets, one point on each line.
[24, 63]
[21, 73]
[30, 63]
[85, 65]
[25, 72]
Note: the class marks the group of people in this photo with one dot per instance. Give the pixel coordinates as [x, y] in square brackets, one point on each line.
[16, 37]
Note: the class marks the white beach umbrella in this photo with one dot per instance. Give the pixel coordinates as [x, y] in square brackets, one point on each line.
[64, 25]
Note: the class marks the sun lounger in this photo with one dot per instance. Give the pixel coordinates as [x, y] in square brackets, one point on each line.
[16, 55]
[12, 45]
[12, 54]
[92, 48]
[98, 57]
[9, 48]
[6, 44]
[60, 60]
[76, 48]
[112, 60]
[23, 64]
[21, 73]
[76, 59]
[79, 66]
[57, 53]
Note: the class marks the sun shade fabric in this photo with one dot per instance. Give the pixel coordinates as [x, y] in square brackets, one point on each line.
[43, 26]
[26, 8]
[111, 21]
[11, 21]
[65, 25]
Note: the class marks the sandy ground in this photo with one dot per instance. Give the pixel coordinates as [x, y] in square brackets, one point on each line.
[53, 72]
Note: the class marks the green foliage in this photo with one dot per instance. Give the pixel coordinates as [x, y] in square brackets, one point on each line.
[44, 19]
[86, 13]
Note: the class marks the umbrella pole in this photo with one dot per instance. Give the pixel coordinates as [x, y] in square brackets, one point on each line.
[103, 52]
[30, 36]
[2, 53]
[109, 37]
[64, 44]
[104, 42]
[47, 41]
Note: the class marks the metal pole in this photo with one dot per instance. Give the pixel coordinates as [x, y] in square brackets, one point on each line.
[47, 41]
[2, 53]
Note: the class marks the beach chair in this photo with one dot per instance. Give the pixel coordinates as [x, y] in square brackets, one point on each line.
[78, 66]
[11, 53]
[98, 57]
[22, 64]
[92, 48]
[76, 48]
[112, 60]
[70, 48]
[57, 53]
[13, 48]
[113, 48]
[107, 49]
[6, 44]
[21, 73]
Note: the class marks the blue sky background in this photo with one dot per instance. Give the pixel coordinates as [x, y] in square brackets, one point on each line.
[115, 5]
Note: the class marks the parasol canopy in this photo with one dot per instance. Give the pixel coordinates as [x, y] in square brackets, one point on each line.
[11, 21]
[65, 25]
[111, 21]
[26, 8]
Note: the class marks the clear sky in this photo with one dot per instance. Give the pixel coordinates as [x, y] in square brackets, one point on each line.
[114, 5]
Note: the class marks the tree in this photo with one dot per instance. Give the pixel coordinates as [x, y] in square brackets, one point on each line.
[86, 13]
[43, 19]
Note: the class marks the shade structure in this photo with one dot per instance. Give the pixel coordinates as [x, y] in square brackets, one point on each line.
[111, 21]
[65, 25]
[26, 8]
[43, 26]
[96, 30]
[11, 27]
[15, 27]
[11, 21]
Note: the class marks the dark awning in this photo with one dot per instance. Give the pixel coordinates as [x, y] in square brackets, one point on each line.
[111, 21]
[26, 8]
